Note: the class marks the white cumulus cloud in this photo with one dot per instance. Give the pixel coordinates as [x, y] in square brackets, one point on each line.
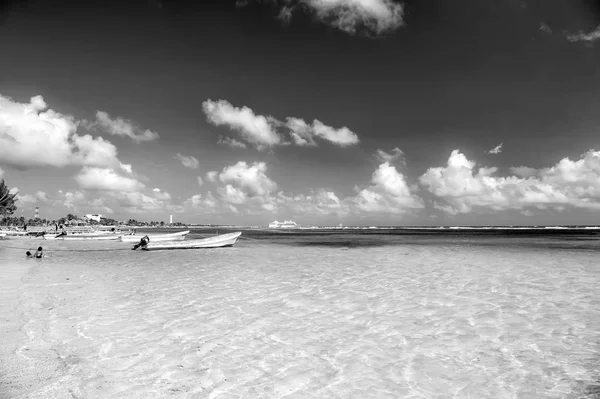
[496, 150]
[301, 132]
[459, 187]
[211, 176]
[261, 131]
[585, 37]
[395, 154]
[388, 193]
[252, 179]
[352, 16]
[93, 178]
[31, 135]
[189, 162]
[123, 127]
[231, 142]
[342, 137]
[255, 129]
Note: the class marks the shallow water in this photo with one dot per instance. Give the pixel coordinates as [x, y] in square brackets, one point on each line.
[327, 316]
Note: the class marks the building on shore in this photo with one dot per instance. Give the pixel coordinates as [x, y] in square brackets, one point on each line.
[95, 217]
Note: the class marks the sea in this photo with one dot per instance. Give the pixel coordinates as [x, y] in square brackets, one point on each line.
[369, 313]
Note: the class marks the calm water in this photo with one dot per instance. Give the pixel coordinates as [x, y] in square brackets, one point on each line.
[378, 314]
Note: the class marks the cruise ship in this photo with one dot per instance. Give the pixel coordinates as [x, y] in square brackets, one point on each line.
[288, 224]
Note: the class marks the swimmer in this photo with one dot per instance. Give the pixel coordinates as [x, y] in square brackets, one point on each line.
[29, 254]
[39, 254]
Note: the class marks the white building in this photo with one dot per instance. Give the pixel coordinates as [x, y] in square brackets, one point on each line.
[94, 217]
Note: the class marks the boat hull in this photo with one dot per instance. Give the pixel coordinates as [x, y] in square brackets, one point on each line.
[180, 235]
[222, 240]
[81, 237]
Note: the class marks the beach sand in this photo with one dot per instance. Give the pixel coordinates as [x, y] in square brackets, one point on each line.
[263, 320]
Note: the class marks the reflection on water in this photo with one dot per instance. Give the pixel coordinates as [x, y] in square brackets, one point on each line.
[298, 315]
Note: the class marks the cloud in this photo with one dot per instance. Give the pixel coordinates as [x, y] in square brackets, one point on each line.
[388, 193]
[255, 129]
[104, 201]
[342, 137]
[161, 195]
[321, 203]
[239, 184]
[31, 135]
[93, 178]
[523, 171]
[460, 188]
[200, 182]
[248, 187]
[303, 134]
[300, 132]
[27, 199]
[261, 131]
[231, 142]
[188, 162]
[352, 16]
[545, 28]
[137, 202]
[394, 155]
[197, 201]
[585, 37]
[212, 176]
[496, 150]
[123, 127]
[39, 196]
[249, 179]
[1, 173]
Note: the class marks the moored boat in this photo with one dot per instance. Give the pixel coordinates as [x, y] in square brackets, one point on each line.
[222, 240]
[75, 237]
[180, 235]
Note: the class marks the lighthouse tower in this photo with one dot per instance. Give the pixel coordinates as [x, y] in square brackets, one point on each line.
[170, 219]
[37, 212]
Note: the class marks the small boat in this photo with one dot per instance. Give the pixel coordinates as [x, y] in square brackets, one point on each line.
[222, 240]
[76, 237]
[180, 235]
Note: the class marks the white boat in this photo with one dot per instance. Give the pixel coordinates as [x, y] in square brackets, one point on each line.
[76, 237]
[222, 240]
[13, 233]
[288, 224]
[180, 235]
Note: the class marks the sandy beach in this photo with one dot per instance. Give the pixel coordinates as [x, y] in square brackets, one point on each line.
[274, 320]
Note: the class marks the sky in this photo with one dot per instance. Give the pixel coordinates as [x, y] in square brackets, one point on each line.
[360, 112]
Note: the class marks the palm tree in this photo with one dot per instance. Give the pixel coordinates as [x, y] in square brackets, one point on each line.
[7, 200]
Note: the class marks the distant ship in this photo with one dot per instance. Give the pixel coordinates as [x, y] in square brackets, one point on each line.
[288, 224]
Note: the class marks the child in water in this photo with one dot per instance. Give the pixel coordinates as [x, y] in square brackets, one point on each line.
[39, 254]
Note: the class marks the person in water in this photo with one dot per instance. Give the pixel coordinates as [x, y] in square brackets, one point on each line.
[29, 254]
[39, 254]
[143, 242]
